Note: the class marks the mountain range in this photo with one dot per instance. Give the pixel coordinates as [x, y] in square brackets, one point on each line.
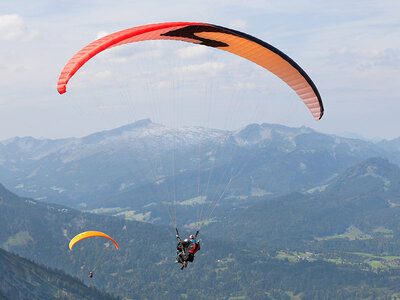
[147, 171]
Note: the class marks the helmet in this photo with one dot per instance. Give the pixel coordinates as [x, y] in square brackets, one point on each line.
[191, 237]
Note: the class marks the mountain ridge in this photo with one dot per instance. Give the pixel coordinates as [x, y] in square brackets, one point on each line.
[23, 279]
[106, 170]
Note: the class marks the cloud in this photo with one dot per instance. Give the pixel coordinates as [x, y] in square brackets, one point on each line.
[238, 24]
[103, 74]
[101, 34]
[123, 56]
[12, 27]
[134, 52]
[163, 84]
[367, 59]
[210, 68]
[190, 52]
[246, 85]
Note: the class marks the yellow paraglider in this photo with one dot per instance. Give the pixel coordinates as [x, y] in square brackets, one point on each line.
[88, 234]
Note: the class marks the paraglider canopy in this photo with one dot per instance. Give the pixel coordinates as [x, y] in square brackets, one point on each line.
[230, 40]
[88, 234]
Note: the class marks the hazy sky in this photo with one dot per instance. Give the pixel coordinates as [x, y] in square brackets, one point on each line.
[350, 49]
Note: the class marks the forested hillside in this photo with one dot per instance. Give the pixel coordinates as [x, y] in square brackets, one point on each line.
[23, 279]
[143, 267]
[356, 211]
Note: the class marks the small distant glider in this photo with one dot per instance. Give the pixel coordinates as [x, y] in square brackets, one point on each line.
[88, 234]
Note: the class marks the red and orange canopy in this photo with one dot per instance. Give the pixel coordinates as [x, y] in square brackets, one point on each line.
[230, 40]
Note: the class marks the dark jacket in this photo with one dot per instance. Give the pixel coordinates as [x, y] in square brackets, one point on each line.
[188, 248]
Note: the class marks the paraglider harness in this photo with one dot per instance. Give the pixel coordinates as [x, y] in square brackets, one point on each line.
[183, 254]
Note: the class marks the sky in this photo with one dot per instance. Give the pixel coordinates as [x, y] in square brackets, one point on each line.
[350, 49]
